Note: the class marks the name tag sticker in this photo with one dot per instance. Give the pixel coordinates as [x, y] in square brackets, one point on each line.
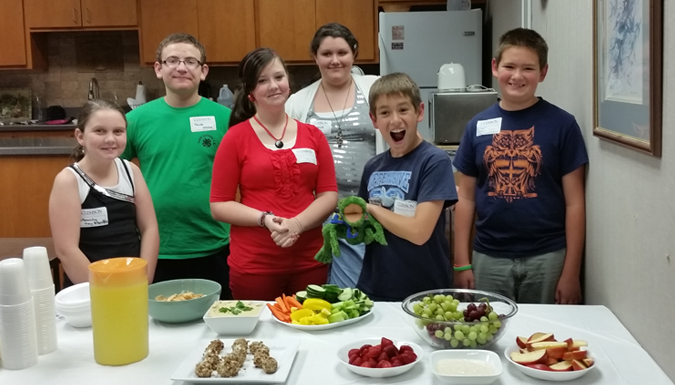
[324, 125]
[202, 123]
[405, 207]
[94, 217]
[305, 155]
[488, 127]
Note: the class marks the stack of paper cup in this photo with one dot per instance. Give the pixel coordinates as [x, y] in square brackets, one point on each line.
[18, 337]
[42, 289]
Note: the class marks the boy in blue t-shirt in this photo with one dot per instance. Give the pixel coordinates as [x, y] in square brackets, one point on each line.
[407, 187]
[522, 164]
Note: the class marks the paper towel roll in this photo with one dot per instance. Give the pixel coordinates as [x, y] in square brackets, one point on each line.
[140, 94]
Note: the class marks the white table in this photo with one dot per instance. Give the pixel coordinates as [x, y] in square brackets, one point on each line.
[620, 358]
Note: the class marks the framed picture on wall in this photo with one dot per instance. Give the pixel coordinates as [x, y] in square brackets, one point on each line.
[627, 73]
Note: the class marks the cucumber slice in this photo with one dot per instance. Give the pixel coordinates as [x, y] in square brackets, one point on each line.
[301, 296]
[315, 291]
[345, 295]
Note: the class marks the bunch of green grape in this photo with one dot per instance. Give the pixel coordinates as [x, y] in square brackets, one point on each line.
[479, 325]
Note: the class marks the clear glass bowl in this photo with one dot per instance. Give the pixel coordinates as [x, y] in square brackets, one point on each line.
[442, 334]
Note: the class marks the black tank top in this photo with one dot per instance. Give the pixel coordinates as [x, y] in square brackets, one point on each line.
[119, 237]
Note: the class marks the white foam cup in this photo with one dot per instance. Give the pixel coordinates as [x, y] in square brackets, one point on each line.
[38, 271]
[14, 288]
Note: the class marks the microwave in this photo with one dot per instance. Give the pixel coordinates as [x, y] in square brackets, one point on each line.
[449, 112]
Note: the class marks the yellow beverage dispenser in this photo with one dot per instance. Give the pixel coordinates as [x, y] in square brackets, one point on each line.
[119, 310]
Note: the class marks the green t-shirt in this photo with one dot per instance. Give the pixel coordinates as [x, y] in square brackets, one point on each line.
[176, 148]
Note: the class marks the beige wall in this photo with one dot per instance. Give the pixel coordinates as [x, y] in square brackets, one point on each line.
[630, 248]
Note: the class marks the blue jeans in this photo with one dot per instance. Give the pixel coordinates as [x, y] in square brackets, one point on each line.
[346, 269]
[524, 280]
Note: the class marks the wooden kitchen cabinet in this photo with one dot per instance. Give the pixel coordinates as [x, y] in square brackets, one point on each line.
[357, 15]
[287, 27]
[48, 14]
[175, 16]
[12, 45]
[227, 29]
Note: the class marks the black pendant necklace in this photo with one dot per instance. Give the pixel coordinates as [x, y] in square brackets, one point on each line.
[277, 142]
[337, 121]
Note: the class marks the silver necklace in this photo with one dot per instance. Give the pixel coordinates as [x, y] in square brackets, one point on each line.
[337, 121]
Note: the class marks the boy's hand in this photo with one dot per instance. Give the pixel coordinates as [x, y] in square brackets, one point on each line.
[464, 279]
[568, 291]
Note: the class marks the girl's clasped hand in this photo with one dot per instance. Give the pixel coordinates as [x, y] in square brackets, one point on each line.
[284, 231]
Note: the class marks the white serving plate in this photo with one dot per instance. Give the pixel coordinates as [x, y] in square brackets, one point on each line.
[343, 356]
[283, 351]
[546, 375]
[326, 326]
[487, 356]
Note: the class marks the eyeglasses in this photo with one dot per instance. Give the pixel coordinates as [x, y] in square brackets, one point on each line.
[190, 62]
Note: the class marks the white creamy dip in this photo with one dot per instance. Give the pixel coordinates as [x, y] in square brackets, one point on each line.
[464, 367]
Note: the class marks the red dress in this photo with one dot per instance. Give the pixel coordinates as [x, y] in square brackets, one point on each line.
[281, 181]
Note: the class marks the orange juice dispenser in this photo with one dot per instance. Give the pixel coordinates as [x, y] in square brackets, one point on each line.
[119, 310]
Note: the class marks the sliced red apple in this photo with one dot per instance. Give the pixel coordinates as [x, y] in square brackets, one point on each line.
[588, 361]
[578, 355]
[547, 344]
[579, 343]
[556, 353]
[562, 366]
[570, 343]
[538, 337]
[539, 367]
[537, 356]
[578, 365]
[522, 342]
[550, 361]
[523, 350]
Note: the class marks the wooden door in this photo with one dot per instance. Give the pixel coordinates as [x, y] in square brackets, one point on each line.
[13, 44]
[287, 27]
[358, 16]
[52, 13]
[160, 18]
[106, 13]
[227, 29]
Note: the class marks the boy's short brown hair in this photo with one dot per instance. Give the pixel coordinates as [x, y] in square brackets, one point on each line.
[181, 37]
[522, 37]
[394, 84]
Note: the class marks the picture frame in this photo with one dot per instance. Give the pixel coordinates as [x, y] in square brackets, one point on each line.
[16, 105]
[628, 73]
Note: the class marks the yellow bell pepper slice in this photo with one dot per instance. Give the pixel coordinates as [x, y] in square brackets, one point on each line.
[316, 304]
[300, 314]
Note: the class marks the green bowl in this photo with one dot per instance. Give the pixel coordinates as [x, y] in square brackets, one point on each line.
[182, 311]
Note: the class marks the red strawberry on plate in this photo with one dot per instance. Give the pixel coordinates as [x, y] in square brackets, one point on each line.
[386, 342]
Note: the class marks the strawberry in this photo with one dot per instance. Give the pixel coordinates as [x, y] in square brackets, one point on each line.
[352, 359]
[383, 357]
[384, 364]
[386, 342]
[374, 351]
[396, 362]
[352, 352]
[367, 364]
[358, 361]
[364, 347]
[372, 362]
[404, 348]
[390, 350]
[408, 357]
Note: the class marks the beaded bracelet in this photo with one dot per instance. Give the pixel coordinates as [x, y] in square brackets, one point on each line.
[261, 218]
[462, 268]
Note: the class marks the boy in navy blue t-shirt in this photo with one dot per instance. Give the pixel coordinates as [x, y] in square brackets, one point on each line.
[407, 187]
[522, 164]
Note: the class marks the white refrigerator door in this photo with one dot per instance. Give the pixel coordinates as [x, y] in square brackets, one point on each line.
[418, 43]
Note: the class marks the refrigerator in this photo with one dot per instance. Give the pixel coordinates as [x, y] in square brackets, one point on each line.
[419, 43]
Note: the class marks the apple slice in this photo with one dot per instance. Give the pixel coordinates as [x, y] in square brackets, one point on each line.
[539, 367]
[521, 342]
[534, 357]
[547, 344]
[538, 337]
[588, 361]
[550, 361]
[579, 343]
[570, 343]
[562, 366]
[578, 365]
[577, 355]
[556, 353]
[523, 350]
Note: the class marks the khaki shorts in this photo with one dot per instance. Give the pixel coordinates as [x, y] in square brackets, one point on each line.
[524, 280]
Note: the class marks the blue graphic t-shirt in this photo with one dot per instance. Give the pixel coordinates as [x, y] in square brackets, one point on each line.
[519, 159]
[395, 271]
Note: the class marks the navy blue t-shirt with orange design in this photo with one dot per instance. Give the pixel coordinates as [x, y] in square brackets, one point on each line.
[519, 159]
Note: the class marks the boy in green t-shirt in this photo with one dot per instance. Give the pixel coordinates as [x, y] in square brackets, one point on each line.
[175, 139]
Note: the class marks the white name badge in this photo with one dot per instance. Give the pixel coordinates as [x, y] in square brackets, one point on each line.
[305, 155]
[202, 123]
[405, 207]
[488, 127]
[94, 217]
[324, 125]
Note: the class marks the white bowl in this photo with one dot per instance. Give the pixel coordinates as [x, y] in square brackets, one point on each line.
[227, 323]
[74, 304]
[548, 375]
[343, 356]
[486, 356]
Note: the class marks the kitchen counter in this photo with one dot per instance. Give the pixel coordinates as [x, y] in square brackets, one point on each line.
[37, 139]
[36, 127]
[620, 359]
